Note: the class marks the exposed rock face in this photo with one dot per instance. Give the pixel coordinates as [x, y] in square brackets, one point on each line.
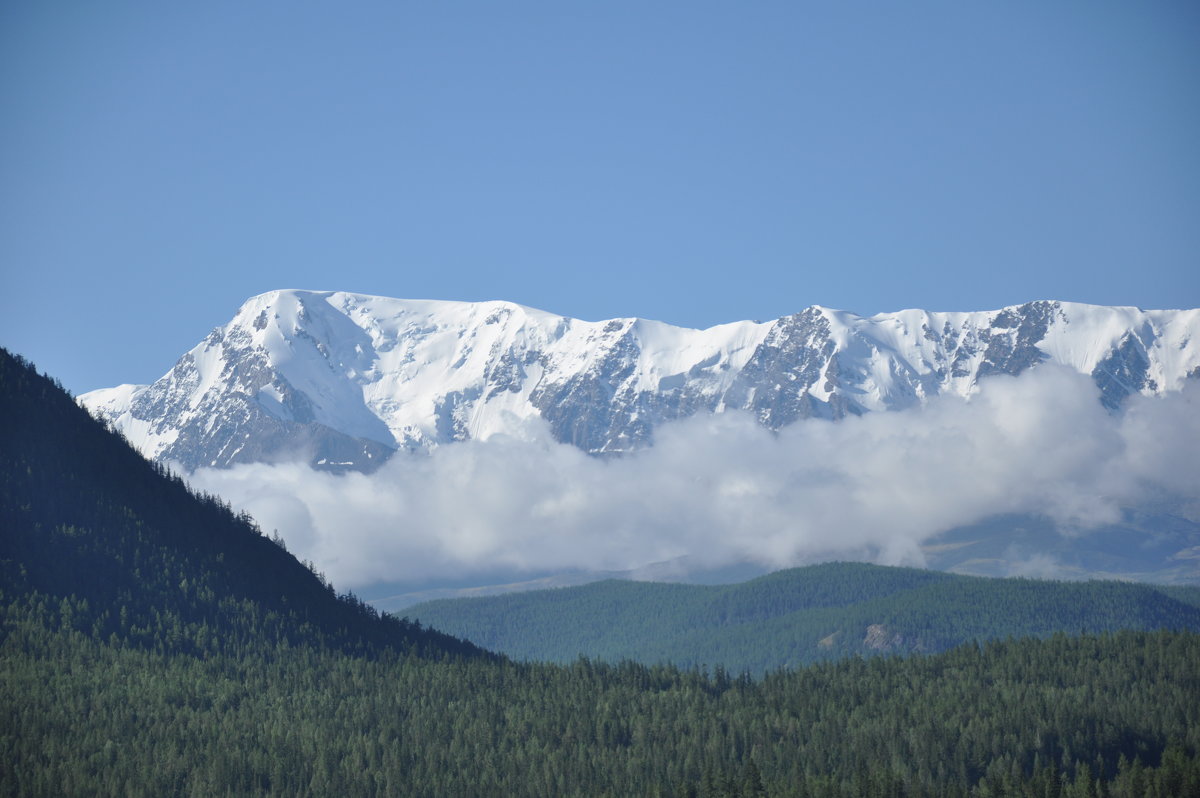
[1126, 370]
[342, 380]
[880, 638]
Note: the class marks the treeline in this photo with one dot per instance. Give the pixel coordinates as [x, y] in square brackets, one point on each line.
[800, 616]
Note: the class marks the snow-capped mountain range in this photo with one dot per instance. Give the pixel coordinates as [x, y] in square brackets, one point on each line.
[343, 380]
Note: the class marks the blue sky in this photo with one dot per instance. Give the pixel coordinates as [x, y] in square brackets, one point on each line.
[692, 162]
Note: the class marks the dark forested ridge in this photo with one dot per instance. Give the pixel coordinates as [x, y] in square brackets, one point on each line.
[151, 644]
[128, 547]
[801, 615]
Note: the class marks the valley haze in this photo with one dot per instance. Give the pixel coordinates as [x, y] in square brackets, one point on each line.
[406, 441]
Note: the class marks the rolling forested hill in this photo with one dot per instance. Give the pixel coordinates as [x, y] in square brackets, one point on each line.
[800, 616]
[153, 644]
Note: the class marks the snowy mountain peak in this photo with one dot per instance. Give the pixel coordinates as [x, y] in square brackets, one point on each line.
[342, 380]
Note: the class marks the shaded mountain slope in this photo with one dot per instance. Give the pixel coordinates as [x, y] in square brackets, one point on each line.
[85, 518]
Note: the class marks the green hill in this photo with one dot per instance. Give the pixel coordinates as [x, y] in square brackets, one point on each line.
[800, 616]
[153, 644]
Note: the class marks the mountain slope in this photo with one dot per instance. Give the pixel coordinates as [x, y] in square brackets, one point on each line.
[342, 380]
[87, 520]
[799, 616]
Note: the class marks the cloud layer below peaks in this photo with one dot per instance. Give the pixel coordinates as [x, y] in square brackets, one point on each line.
[721, 490]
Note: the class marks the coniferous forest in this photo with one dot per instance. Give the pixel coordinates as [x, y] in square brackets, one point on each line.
[801, 615]
[155, 643]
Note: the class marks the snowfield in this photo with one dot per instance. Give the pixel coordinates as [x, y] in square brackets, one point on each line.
[342, 380]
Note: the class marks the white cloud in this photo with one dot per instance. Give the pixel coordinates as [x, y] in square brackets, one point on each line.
[720, 489]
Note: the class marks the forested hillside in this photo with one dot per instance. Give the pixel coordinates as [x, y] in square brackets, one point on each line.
[151, 644]
[83, 716]
[128, 550]
[800, 616]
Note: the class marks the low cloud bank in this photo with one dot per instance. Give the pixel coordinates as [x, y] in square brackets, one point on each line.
[720, 489]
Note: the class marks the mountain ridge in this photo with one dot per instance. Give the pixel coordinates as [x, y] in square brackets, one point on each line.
[87, 520]
[799, 616]
[343, 380]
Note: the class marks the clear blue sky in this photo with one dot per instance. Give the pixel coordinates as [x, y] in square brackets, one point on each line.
[694, 162]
